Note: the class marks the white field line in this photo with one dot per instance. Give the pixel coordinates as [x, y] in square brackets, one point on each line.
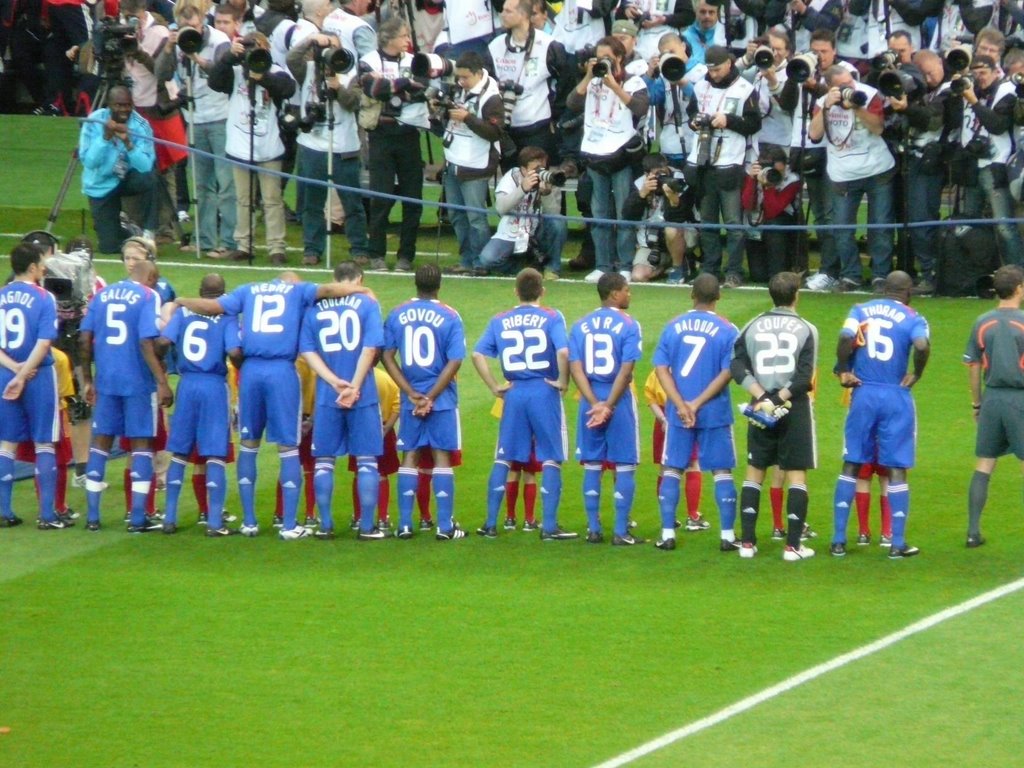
[808, 675]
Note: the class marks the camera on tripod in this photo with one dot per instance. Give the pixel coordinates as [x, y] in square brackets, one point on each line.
[853, 97]
[112, 43]
[316, 112]
[256, 60]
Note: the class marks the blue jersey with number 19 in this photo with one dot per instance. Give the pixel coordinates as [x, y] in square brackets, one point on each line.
[526, 339]
[883, 331]
[201, 342]
[27, 314]
[271, 316]
[697, 347]
[427, 335]
[602, 341]
[119, 317]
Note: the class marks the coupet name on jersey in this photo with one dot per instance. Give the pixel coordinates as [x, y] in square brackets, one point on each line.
[769, 324]
[20, 298]
[523, 321]
[420, 315]
[706, 327]
[127, 295]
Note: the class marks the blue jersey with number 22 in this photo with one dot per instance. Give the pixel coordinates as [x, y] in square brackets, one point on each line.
[526, 340]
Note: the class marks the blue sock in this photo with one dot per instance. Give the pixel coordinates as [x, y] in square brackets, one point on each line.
[142, 479]
[495, 492]
[668, 499]
[899, 502]
[444, 495]
[175, 480]
[216, 492]
[46, 473]
[408, 481]
[592, 496]
[95, 470]
[246, 470]
[368, 488]
[725, 499]
[846, 488]
[6, 483]
[290, 478]
[551, 494]
[625, 489]
[323, 488]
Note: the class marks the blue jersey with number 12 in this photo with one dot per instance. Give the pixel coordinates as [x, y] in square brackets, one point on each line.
[271, 316]
[883, 331]
[526, 340]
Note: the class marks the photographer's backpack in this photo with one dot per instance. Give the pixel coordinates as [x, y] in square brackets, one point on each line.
[968, 255]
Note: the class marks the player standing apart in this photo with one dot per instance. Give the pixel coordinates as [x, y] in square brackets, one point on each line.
[692, 362]
[604, 347]
[531, 343]
[875, 343]
[775, 359]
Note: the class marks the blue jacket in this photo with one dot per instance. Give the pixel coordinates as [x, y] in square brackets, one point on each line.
[99, 156]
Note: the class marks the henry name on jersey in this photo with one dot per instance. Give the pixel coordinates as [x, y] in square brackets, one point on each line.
[274, 287]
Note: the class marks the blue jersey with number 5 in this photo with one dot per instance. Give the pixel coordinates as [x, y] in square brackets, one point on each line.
[119, 317]
[883, 331]
[201, 342]
[27, 313]
[271, 316]
[602, 341]
[526, 340]
[427, 335]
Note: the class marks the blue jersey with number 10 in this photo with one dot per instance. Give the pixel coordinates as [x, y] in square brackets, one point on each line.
[526, 340]
[201, 342]
[27, 314]
[120, 317]
[602, 341]
[883, 331]
[271, 316]
[427, 335]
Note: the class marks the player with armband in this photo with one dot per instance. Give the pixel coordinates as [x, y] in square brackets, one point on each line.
[774, 359]
[531, 344]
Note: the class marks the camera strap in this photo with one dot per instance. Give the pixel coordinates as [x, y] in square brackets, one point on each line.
[677, 111]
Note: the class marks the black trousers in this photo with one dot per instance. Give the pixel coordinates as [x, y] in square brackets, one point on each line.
[395, 153]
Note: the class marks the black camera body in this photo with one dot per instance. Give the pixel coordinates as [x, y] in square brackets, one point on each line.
[316, 112]
[958, 85]
[701, 122]
[979, 147]
[190, 40]
[603, 67]
[112, 43]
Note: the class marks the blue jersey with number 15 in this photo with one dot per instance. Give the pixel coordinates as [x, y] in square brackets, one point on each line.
[883, 331]
[526, 340]
[271, 316]
[427, 335]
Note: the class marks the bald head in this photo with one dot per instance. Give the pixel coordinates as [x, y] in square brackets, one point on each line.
[289, 277]
[898, 285]
[212, 286]
[145, 273]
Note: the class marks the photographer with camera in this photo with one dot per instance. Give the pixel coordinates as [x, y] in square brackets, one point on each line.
[470, 122]
[394, 142]
[255, 86]
[765, 66]
[807, 18]
[612, 104]
[770, 196]
[724, 115]
[190, 54]
[670, 94]
[850, 117]
[328, 140]
[983, 117]
[579, 25]
[657, 197]
[656, 18]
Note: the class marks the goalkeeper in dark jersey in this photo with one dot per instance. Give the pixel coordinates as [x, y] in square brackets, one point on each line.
[774, 359]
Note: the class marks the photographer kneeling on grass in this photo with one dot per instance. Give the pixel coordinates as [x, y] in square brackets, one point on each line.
[660, 195]
[523, 239]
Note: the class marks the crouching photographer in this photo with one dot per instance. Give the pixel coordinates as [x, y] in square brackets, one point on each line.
[659, 196]
[769, 196]
[524, 239]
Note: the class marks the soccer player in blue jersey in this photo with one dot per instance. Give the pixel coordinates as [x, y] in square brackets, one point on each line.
[692, 364]
[29, 408]
[269, 395]
[202, 416]
[424, 346]
[604, 347]
[340, 340]
[119, 333]
[530, 341]
[875, 343]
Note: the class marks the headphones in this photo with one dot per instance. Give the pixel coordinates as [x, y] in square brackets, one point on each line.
[43, 239]
[143, 243]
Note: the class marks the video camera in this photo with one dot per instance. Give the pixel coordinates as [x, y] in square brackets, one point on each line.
[112, 43]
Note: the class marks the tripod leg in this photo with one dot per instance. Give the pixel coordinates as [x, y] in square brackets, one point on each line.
[69, 173]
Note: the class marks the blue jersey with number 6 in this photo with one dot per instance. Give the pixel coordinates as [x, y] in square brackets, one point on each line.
[271, 316]
[526, 340]
[119, 317]
[427, 335]
[883, 330]
[201, 342]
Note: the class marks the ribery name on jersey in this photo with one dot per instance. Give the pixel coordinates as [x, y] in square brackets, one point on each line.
[523, 321]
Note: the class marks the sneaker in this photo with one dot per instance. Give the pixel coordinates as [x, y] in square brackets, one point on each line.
[666, 545]
[975, 541]
[747, 550]
[844, 285]
[78, 481]
[311, 522]
[778, 534]
[550, 274]
[733, 280]
[374, 534]
[895, 553]
[807, 533]
[184, 218]
[10, 522]
[48, 110]
[68, 518]
[278, 259]
[628, 540]
[170, 528]
[625, 274]
[239, 255]
[510, 524]
[426, 524]
[227, 517]
[924, 287]
[377, 265]
[594, 276]
[310, 259]
[558, 535]
[595, 537]
[323, 534]
[384, 523]
[52, 525]
[249, 530]
[204, 518]
[677, 524]
[878, 286]
[216, 533]
[676, 276]
[885, 541]
[697, 524]
[838, 549]
[792, 554]
[530, 525]
[278, 521]
[632, 523]
[298, 532]
[451, 535]
[405, 532]
[728, 546]
[863, 539]
[820, 282]
[146, 527]
[92, 525]
[403, 265]
[354, 524]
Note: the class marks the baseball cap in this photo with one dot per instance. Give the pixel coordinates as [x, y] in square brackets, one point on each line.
[624, 27]
[716, 55]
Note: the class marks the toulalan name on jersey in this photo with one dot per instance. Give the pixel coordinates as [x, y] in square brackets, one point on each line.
[341, 301]
[523, 321]
[421, 315]
[694, 325]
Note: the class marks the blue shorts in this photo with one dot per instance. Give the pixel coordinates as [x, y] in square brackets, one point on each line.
[347, 431]
[269, 398]
[441, 430]
[532, 422]
[715, 448]
[131, 416]
[617, 440]
[202, 416]
[881, 417]
[36, 414]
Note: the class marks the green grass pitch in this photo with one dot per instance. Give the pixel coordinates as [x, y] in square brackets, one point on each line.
[183, 651]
